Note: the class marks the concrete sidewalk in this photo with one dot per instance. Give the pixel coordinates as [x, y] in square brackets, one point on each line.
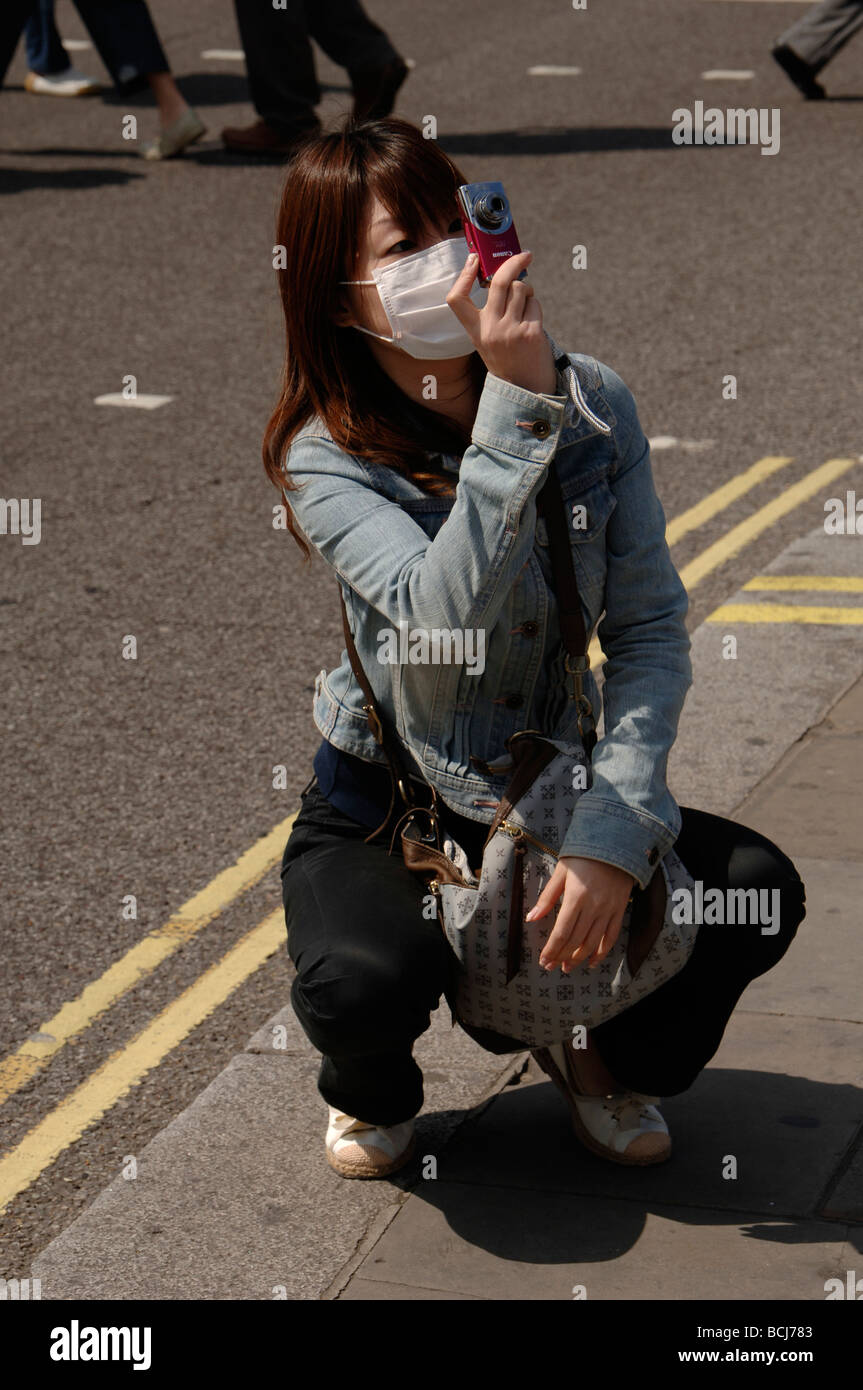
[521, 1210]
[234, 1199]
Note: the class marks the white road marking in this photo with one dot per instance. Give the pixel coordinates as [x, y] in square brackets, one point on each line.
[669, 441]
[553, 72]
[226, 55]
[76, 45]
[728, 74]
[141, 401]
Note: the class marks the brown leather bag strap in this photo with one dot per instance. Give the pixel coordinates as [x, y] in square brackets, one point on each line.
[381, 732]
[550, 505]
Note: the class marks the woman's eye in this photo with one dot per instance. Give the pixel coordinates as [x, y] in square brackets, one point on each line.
[455, 226]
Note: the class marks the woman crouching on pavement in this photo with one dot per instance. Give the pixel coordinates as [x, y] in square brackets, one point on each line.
[418, 415]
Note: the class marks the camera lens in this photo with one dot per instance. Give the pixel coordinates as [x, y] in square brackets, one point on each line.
[490, 210]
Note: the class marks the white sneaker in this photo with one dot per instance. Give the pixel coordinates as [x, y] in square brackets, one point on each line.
[357, 1149]
[626, 1127]
[70, 83]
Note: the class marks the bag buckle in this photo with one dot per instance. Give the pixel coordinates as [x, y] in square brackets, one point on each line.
[576, 667]
[374, 723]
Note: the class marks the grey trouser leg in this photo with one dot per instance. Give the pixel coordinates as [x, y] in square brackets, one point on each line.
[820, 33]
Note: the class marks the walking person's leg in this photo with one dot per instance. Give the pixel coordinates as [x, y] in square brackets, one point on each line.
[350, 38]
[50, 71]
[659, 1045]
[280, 65]
[370, 965]
[816, 37]
[129, 46]
[45, 51]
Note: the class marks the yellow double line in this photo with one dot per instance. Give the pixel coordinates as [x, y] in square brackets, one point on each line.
[795, 612]
[746, 531]
[125, 1067]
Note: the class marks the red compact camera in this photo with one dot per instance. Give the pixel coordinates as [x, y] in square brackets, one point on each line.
[488, 227]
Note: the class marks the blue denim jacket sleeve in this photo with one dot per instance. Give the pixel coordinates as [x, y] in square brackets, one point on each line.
[628, 817]
[460, 578]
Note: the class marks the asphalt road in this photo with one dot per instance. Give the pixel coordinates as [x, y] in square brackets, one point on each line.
[148, 777]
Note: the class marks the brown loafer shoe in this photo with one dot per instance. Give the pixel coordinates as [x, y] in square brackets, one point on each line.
[375, 91]
[262, 138]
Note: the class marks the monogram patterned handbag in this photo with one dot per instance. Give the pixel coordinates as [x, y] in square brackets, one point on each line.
[500, 984]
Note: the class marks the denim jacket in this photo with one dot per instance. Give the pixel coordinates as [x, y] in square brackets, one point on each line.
[481, 561]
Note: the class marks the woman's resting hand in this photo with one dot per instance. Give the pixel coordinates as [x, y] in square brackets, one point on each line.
[589, 919]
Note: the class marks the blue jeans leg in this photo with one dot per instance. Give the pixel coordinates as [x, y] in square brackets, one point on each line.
[45, 52]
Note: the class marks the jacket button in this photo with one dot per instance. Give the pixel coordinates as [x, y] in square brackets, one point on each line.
[541, 428]
[530, 629]
[653, 855]
[514, 701]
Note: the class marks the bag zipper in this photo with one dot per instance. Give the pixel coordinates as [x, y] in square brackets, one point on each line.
[516, 832]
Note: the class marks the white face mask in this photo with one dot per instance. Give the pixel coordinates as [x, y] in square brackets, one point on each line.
[413, 292]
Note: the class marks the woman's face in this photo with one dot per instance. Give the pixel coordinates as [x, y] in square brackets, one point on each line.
[384, 243]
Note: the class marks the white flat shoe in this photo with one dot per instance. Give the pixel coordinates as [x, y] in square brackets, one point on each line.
[625, 1127]
[184, 131]
[356, 1149]
[70, 83]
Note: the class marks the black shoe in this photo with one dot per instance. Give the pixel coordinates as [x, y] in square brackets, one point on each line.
[375, 91]
[800, 73]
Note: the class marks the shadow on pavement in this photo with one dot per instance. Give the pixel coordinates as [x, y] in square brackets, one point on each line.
[517, 1162]
[569, 140]
[25, 180]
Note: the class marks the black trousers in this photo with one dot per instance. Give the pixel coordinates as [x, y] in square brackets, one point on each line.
[280, 62]
[371, 968]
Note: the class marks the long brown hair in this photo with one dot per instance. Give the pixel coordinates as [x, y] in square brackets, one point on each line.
[329, 370]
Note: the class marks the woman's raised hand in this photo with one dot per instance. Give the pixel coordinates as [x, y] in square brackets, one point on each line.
[507, 332]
